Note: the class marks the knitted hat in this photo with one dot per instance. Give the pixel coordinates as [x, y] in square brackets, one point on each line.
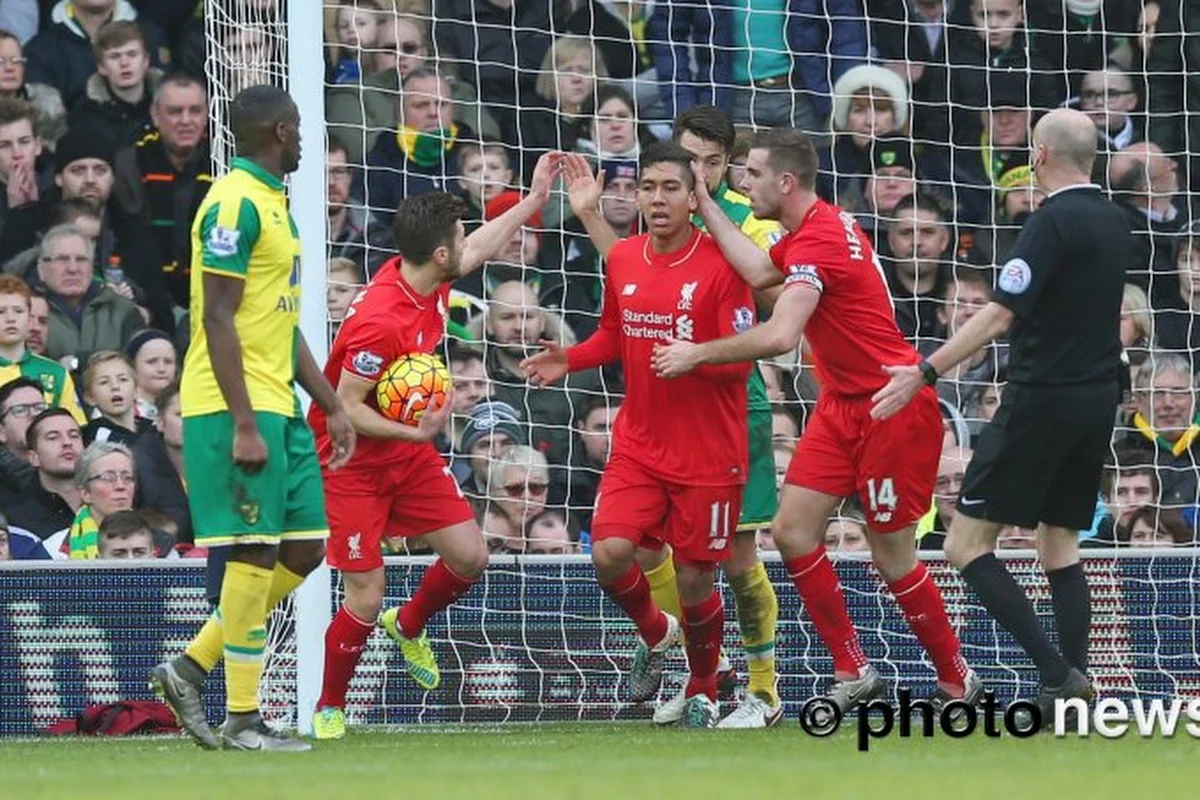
[1017, 174]
[78, 143]
[142, 338]
[619, 168]
[892, 151]
[868, 76]
[491, 417]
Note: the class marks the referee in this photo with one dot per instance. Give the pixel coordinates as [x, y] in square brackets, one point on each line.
[1038, 464]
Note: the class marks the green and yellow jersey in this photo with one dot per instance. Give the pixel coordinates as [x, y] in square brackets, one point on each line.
[244, 230]
[763, 233]
[57, 386]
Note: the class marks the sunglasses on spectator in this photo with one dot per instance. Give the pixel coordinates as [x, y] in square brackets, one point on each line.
[22, 410]
[518, 489]
[112, 476]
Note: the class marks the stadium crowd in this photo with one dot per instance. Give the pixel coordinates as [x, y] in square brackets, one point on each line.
[922, 108]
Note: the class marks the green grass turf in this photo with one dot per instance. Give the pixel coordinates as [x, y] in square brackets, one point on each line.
[625, 761]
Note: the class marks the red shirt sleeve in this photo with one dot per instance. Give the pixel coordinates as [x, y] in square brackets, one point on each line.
[604, 345]
[369, 350]
[735, 315]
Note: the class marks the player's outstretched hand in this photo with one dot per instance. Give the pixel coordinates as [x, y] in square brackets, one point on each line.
[433, 421]
[583, 188]
[548, 366]
[249, 449]
[673, 359]
[549, 167]
[342, 436]
[905, 382]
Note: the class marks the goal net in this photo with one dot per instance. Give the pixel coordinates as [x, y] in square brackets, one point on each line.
[924, 122]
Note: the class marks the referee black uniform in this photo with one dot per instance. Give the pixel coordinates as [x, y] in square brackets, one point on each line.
[1041, 458]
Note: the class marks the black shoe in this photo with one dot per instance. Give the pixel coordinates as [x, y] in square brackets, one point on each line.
[1076, 686]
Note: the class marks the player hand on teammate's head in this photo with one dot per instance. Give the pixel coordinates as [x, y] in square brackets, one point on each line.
[549, 167]
[674, 359]
[583, 188]
[701, 189]
[434, 420]
[548, 366]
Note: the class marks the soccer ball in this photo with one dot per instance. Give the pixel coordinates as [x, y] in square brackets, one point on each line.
[410, 386]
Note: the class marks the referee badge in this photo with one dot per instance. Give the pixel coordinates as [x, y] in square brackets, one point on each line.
[1015, 276]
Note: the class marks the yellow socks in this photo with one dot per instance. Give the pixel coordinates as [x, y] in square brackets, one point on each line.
[757, 613]
[243, 617]
[206, 648]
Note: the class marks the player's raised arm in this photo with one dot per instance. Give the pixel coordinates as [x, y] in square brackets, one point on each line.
[354, 390]
[486, 242]
[750, 262]
[583, 192]
[777, 335]
[310, 377]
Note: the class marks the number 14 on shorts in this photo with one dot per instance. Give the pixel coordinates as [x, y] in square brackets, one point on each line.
[881, 499]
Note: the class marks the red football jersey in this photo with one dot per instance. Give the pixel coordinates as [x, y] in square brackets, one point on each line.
[386, 321]
[853, 330]
[690, 429]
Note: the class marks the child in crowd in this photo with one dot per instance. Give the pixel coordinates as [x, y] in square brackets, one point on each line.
[155, 366]
[109, 387]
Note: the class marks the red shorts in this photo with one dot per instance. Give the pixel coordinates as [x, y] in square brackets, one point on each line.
[697, 521]
[366, 506]
[891, 464]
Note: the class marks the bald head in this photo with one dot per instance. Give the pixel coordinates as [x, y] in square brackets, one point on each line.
[1069, 137]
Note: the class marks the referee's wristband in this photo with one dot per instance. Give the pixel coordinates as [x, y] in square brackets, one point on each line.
[928, 373]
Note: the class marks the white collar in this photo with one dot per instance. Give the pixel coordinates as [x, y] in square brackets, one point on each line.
[1072, 186]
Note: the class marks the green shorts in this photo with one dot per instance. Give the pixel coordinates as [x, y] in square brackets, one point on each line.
[284, 500]
[760, 499]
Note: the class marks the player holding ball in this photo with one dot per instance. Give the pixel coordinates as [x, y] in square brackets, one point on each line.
[397, 484]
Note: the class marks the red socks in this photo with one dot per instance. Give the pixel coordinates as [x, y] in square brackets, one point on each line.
[439, 587]
[921, 602]
[632, 593]
[703, 625]
[345, 639]
[821, 592]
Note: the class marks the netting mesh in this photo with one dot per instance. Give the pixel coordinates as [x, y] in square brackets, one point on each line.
[923, 112]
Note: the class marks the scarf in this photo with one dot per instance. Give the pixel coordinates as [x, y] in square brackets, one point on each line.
[425, 148]
[1180, 446]
[84, 539]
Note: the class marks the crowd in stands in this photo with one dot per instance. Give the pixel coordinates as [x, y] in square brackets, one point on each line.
[922, 110]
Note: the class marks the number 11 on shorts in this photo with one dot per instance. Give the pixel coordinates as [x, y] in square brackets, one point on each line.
[881, 498]
[718, 529]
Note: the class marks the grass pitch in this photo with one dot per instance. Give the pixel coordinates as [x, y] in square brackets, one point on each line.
[625, 761]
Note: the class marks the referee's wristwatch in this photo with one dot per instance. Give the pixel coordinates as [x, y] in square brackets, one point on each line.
[928, 373]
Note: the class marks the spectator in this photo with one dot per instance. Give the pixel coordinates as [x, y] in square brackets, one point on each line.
[483, 173]
[969, 290]
[1017, 196]
[349, 234]
[85, 316]
[917, 265]
[25, 174]
[39, 322]
[1128, 486]
[1173, 86]
[171, 168]
[868, 102]
[1137, 324]
[48, 505]
[1164, 425]
[550, 534]
[249, 52]
[116, 101]
[106, 481]
[77, 212]
[518, 483]
[108, 386]
[470, 389]
[1156, 527]
[158, 456]
[495, 46]
[692, 48]
[614, 132]
[574, 289]
[155, 364]
[1006, 123]
[892, 178]
[784, 428]
[420, 157]
[990, 396]
[357, 30]
[594, 418]
[1110, 99]
[553, 116]
[846, 532]
[21, 400]
[1016, 538]
[17, 544]
[1145, 183]
[16, 360]
[345, 281]
[517, 260]
[1079, 35]
[61, 54]
[931, 531]
[618, 31]
[125, 535]
[51, 116]
[491, 427]
[514, 324]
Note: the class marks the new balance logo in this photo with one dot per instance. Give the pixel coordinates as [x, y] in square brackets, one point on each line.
[629, 289]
